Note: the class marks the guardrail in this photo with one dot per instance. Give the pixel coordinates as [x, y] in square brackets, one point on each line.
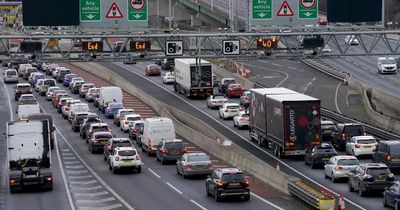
[313, 198]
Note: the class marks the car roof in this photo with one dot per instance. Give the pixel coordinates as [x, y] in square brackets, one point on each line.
[132, 115]
[390, 142]
[231, 104]
[120, 139]
[345, 157]
[174, 141]
[99, 124]
[363, 137]
[102, 132]
[26, 94]
[23, 84]
[374, 165]
[124, 148]
[230, 170]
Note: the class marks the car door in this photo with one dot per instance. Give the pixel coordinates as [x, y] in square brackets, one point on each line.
[211, 182]
[329, 166]
[391, 194]
[354, 176]
[350, 145]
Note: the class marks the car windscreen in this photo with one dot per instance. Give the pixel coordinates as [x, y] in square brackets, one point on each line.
[232, 177]
[389, 61]
[366, 141]
[196, 158]
[127, 153]
[356, 130]
[395, 150]
[378, 171]
[11, 73]
[347, 162]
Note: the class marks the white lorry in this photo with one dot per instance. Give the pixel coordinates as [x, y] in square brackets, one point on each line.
[28, 158]
[193, 77]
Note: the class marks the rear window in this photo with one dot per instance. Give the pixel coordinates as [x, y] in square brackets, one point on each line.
[133, 118]
[234, 177]
[122, 144]
[127, 153]
[139, 125]
[11, 73]
[49, 82]
[27, 98]
[245, 115]
[378, 171]
[356, 130]
[23, 86]
[232, 107]
[348, 162]
[195, 158]
[229, 81]
[102, 128]
[395, 150]
[366, 141]
[177, 145]
[103, 136]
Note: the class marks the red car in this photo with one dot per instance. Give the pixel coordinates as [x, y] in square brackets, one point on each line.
[234, 90]
[56, 99]
[153, 70]
[322, 21]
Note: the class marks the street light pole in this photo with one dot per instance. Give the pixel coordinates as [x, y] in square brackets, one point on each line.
[169, 13]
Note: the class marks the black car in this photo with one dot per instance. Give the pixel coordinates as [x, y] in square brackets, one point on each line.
[97, 141]
[319, 154]
[90, 118]
[226, 182]
[344, 133]
[136, 130]
[170, 150]
[77, 119]
[225, 82]
[327, 128]
[369, 177]
[388, 152]
[115, 142]
[391, 196]
[168, 64]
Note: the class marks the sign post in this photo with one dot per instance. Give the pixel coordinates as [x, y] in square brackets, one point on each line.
[90, 10]
[261, 9]
[137, 10]
[308, 9]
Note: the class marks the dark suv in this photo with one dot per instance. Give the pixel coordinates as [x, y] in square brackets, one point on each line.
[344, 133]
[113, 143]
[226, 182]
[77, 119]
[327, 128]
[90, 119]
[225, 82]
[370, 177]
[319, 154]
[388, 152]
[168, 64]
[170, 150]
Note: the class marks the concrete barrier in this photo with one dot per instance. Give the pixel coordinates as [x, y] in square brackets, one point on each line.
[199, 132]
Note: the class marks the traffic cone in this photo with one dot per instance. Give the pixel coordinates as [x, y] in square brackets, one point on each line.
[277, 166]
[341, 205]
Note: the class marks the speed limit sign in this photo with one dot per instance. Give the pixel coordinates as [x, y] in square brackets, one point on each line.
[307, 3]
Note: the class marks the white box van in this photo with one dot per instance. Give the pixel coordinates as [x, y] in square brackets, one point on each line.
[387, 65]
[154, 130]
[22, 67]
[109, 94]
[77, 107]
[27, 109]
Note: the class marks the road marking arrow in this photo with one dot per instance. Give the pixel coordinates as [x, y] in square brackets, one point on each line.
[90, 16]
[262, 14]
[137, 16]
[308, 14]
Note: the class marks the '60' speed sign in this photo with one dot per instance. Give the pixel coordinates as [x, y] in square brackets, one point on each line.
[136, 4]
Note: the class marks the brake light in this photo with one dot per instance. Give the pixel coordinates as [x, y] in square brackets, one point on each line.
[337, 168]
[220, 184]
[109, 130]
[376, 144]
[109, 149]
[91, 132]
[95, 142]
[357, 145]
[246, 183]
[210, 165]
[184, 150]
[137, 157]
[165, 151]
[116, 158]
[226, 110]
[188, 166]
[127, 122]
[388, 158]
[343, 136]
[49, 178]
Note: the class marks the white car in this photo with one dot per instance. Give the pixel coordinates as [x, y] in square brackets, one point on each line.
[66, 108]
[39, 82]
[119, 115]
[124, 157]
[216, 100]
[241, 120]
[326, 49]
[10, 75]
[124, 123]
[229, 110]
[168, 77]
[50, 92]
[351, 40]
[361, 145]
[340, 167]
[73, 80]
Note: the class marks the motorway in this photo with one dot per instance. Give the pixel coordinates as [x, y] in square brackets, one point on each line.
[83, 181]
[197, 108]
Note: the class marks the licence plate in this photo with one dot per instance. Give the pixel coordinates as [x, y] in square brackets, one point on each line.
[327, 131]
[367, 146]
[326, 158]
[127, 161]
[174, 153]
[233, 110]
[380, 180]
[235, 184]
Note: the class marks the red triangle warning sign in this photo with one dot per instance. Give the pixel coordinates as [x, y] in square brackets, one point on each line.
[285, 10]
[114, 12]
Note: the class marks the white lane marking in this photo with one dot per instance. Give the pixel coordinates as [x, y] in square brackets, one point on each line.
[77, 172]
[80, 177]
[173, 187]
[363, 67]
[74, 167]
[336, 98]
[155, 174]
[313, 79]
[251, 143]
[71, 162]
[91, 194]
[114, 206]
[294, 68]
[266, 201]
[97, 200]
[85, 188]
[197, 204]
[280, 83]
[83, 182]
[275, 64]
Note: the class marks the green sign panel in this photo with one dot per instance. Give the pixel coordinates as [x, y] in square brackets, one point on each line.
[308, 9]
[137, 10]
[261, 9]
[90, 10]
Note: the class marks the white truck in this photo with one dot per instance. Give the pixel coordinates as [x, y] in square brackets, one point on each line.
[28, 158]
[193, 77]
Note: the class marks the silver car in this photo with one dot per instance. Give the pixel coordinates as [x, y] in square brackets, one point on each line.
[340, 167]
[191, 164]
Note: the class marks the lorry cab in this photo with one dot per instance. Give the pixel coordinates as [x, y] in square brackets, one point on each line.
[387, 65]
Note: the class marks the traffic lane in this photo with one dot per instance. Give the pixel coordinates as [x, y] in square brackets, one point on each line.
[188, 191]
[225, 127]
[55, 199]
[145, 184]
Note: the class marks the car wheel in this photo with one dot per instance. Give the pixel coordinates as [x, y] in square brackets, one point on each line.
[246, 197]
[114, 170]
[105, 158]
[183, 174]
[333, 178]
[384, 202]
[109, 166]
[162, 161]
[208, 191]
[350, 187]
[312, 164]
[360, 191]
[326, 175]
[234, 124]
[177, 171]
[139, 169]
[216, 196]
[220, 115]
[396, 206]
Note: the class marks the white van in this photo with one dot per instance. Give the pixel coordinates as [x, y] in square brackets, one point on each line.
[77, 107]
[109, 94]
[387, 65]
[27, 109]
[22, 67]
[154, 130]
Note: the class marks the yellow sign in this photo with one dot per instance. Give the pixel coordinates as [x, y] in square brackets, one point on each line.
[52, 43]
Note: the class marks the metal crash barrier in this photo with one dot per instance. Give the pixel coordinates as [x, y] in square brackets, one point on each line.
[316, 199]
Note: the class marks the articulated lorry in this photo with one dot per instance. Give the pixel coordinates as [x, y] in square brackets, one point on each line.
[29, 161]
[193, 77]
[284, 120]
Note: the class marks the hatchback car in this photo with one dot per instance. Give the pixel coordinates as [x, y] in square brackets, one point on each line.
[168, 77]
[319, 154]
[135, 128]
[125, 158]
[345, 132]
[229, 110]
[76, 86]
[74, 80]
[226, 182]
[388, 152]
[192, 164]
[327, 128]
[97, 141]
[216, 101]
[170, 150]
[234, 90]
[68, 78]
[50, 92]
[84, 88]
[10, 75]
[90, 119]
[112, 108]
[62, 102]
[391, 196]
[113, 143]
[27, 99]
[225, 82]
[368, 177]
[361, 145]
[152, 70]
[168, 64]
[339, 167]
[77, 119]
[245, 99]
[119, 115]
[22, 88]
[91, 94]
[241, 120]
[126, 121]
[96, 127]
